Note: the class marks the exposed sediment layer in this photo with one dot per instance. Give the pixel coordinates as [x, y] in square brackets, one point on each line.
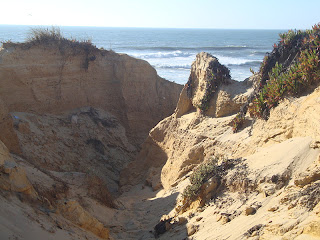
[72, 116]
[55, 78]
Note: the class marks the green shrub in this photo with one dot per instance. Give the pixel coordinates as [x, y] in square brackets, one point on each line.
[191, 192]
[199, 176]
[237, 122]
[289, 38]
[297, 78]
[291, 68]
[204, 172]
[284, 52]
[303, 72]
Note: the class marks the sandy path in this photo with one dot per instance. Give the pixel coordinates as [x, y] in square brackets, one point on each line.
[141, 211]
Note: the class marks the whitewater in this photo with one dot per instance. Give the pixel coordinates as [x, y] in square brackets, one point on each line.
[172, 51]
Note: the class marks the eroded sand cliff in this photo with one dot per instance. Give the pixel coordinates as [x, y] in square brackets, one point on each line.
[72, 117]
[54, 78]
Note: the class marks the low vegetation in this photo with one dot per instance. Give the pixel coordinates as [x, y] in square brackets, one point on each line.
[237, 122]
[219, 74]
[199, 176]
[44, 35]
[213, 168]
[50, 36]
[293, 80]
[292, 68]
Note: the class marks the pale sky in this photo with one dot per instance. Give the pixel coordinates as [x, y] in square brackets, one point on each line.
[228, 14]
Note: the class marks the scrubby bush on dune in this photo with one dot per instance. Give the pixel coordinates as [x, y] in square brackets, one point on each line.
[215, 168]
[302, 73]
[44, 35]
[199, 176]
[237, 122]
[292, 68]
[50, 36]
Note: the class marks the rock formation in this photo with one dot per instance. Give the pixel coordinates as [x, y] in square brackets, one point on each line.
[172, 149]
[54, 78]
[72, 117]
[59, 96]
[13, 177]
[73, 211]
[210, 85]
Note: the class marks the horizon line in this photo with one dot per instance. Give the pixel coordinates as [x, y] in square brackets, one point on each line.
[193, 28]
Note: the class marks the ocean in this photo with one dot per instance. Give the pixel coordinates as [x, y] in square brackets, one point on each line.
[172, 51]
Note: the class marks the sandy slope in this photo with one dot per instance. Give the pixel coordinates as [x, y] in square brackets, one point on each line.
[19, 220]
[280, 220]
[277, 174]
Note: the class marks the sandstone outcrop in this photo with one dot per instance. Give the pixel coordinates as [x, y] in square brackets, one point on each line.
[53, 78]
[12, 176]
[211, 89]
[173, 148]
[73, 211]
[95, 144]
[65, 101]
[72, 117]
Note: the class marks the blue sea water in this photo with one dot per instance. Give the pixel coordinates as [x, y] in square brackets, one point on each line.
[172, 51]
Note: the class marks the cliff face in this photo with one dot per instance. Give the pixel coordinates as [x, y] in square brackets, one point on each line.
[71, 118]
[54, 79]
[123, 96]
